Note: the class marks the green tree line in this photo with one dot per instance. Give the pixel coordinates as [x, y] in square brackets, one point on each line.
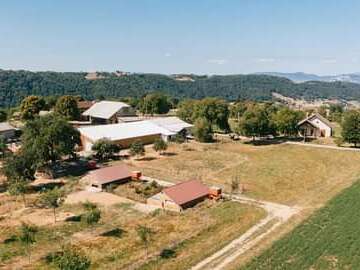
[15, 85]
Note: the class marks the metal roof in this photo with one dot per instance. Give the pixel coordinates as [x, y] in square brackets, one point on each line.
[5, 126]
[121, 131]
[186, 192]
[173, 123]
[105, 109]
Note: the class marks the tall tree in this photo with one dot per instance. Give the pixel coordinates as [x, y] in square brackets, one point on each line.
[286, 121]
[202, 130]
[67, 107]
[336, 112]
[31, 106]
[20, 167]
[351, 127]
[256, 122]
[239, 108]
[154, 103]
[48, 138]
[214, 110]
[186, 110]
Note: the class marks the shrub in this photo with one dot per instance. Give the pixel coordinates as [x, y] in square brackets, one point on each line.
[160, 145]
[105, 149]
[167, 253]
[92, 214]
[69, 258]
[137, 148]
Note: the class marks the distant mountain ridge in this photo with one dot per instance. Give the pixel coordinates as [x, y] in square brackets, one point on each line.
[15, 85]
[299, 77]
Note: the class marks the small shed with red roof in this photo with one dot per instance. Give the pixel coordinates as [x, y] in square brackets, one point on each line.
[117, 174]
[180, 196]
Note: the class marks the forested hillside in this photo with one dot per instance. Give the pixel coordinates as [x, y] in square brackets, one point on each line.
[14, 85]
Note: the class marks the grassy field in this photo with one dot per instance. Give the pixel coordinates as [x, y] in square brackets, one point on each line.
[288, 174]
[327, 240]
[192, 235]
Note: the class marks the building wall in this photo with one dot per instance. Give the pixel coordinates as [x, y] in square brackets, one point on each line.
[163, 201]
[86, 143]
[144, 139]
[322, 126]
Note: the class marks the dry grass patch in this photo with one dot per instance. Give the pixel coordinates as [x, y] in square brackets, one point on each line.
[288, 174]
[192, 234]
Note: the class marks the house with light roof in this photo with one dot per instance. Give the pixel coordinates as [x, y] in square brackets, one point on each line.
[108, 112]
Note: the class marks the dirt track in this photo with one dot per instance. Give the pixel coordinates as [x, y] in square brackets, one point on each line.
[277, 215]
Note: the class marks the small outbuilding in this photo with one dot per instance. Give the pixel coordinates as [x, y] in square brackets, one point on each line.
[315, 126]
[180, 196]
[117, 174]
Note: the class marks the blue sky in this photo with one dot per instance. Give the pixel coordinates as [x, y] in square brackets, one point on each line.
[168, 36]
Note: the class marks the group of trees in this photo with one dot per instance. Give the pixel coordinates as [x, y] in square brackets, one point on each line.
[65, 106]
[105, 149]
[262, 119]
[351, 127]
[250, 118]
[154, 103]
[206, 115]
[45, 140]
[14, 85]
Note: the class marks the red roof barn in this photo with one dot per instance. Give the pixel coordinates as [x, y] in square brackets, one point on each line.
[181, 196]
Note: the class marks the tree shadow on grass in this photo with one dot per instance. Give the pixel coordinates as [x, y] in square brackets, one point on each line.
[273, 141]
[146, 158]
[169, 154]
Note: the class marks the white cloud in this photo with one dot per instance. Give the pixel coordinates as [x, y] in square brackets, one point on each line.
[217, 61]
[167, 54]
[265, 60]
[329, 61]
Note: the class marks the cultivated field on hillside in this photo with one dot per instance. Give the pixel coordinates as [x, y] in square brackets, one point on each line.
[283, 173]
[191, 236]
[327, 240]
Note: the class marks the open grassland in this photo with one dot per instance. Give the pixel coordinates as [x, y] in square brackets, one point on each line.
[191, 235]
[283, 173]
[327, 240]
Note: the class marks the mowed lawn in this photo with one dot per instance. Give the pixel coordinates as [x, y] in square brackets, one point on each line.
[283, 173]
[327, 240]
[191, 235]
